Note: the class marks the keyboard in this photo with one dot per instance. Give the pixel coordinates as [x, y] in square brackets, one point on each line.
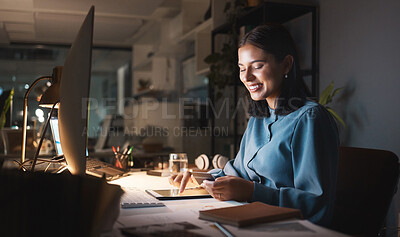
[99, 168]
[135, 198]
[95, 163]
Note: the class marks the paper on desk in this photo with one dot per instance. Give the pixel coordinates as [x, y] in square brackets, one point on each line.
[184, 216]
[178, 210]
[190, 215]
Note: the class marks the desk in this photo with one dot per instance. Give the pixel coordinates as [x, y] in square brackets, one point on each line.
[179, 211]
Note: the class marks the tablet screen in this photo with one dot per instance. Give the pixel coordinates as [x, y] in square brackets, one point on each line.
[173, 193]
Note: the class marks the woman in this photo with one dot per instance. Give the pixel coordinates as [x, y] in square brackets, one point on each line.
[288, 154]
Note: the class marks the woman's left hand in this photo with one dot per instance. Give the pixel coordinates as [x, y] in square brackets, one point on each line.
[229, 188]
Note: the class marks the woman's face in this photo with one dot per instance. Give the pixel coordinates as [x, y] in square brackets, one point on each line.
[261, 73]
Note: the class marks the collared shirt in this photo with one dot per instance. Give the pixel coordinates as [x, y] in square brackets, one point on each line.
[292, 160]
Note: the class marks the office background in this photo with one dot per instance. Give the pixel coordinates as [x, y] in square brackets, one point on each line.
[358, 50]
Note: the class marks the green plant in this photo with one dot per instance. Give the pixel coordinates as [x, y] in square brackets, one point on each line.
[327, 97]
[5, 109]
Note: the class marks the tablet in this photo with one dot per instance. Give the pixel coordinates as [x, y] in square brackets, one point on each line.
[173, 193]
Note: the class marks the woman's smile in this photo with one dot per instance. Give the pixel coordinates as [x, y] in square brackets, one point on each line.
[254, 87]
[260, 73]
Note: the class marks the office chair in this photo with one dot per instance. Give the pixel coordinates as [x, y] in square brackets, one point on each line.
[367, 180]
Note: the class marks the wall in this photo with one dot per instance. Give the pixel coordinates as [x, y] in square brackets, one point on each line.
[359, 49]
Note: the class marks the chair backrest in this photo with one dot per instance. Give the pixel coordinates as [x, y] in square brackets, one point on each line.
[12, 139]
[367, 180]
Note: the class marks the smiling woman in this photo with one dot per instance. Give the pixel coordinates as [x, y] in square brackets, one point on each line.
[271, 51]
[288, 154]
[262, 74]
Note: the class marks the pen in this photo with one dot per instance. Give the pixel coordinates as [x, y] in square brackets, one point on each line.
[125, 153]
[223, 230]
[130, 150]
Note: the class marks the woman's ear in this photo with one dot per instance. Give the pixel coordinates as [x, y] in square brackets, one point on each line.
[287, 63]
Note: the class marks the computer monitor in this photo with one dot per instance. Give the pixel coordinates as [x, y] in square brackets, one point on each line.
[56, 136]
[74, 94]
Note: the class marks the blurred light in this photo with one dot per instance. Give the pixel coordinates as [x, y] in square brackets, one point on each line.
[39, 113]
[62, 170]
[48, 83]
[26, 86]
[14, 78]
[1, 91]
[41, 119]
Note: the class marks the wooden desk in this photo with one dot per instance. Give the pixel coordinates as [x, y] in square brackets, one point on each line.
[179, 211]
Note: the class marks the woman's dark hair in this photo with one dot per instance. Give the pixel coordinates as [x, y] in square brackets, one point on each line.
[275, 39]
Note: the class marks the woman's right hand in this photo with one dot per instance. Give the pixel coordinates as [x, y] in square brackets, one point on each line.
[181, 180]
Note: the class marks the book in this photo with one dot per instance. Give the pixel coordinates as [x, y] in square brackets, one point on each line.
[162, 173]
[249, 214]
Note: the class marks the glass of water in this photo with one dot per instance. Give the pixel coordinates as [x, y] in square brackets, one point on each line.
[178, 162]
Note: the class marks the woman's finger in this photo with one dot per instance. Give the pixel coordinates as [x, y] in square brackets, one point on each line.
[217, 194]
[171, 179]
[209, 186]
[214, 185]
[178, 178]
[185, 180]
[206, 187]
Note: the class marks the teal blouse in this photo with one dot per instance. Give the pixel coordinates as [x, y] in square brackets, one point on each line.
[292, 161]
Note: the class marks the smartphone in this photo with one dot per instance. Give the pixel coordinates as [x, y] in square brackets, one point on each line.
[199, 177]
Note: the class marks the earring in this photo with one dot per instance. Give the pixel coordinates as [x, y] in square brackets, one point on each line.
[285, 75]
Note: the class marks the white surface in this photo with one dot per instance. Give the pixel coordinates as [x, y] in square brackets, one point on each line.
[178, 211]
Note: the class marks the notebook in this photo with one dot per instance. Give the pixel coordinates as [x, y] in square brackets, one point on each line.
[94, 167]
[249, 214]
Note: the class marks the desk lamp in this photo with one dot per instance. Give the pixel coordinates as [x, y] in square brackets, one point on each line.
[49, 98]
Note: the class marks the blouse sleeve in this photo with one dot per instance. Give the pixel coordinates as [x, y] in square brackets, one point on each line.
[314, 152]
[229, 169]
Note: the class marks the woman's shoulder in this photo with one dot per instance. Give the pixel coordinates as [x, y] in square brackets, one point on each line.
[310, 108]
[309, 104]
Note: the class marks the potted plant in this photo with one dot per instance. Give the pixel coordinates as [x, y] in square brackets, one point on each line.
[327, 97]
[6, 107]
[223, 67]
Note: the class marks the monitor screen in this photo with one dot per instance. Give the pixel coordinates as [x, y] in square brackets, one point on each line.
[56, 136]
[74, 94]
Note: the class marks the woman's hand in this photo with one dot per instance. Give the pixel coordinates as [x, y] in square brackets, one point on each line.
[230, 188]
[181, 180]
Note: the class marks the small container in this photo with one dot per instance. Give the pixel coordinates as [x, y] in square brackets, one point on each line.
[178, 162]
